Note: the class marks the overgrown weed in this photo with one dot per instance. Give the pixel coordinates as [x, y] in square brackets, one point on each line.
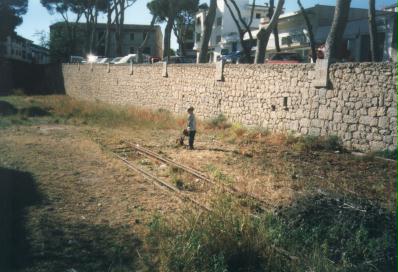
[319, 233]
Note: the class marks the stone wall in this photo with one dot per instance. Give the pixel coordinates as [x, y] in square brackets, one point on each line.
[360, 107]
[31, 78]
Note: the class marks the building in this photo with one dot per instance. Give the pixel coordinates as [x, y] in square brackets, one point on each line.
[225, 34]
[133, 36]
[392, 8]
[21, 49]
[293, 34]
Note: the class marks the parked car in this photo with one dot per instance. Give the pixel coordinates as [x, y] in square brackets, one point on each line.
[178, 59]
[103, 60]
[130, 58]
[114, 60]
[154, 59]
[76, 59]
[285, 57]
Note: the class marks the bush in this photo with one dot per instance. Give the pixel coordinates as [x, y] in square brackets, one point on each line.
[226, 240]
[319, 233]
[388, 154]
[312, 143]
[220, 122]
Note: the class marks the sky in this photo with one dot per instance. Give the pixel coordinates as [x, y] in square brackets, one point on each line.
[38, 19]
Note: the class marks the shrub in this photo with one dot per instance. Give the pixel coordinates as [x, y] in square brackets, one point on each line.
[226, 240]
[220, 122]
[317, 233]
[388, 154]
[312, 143]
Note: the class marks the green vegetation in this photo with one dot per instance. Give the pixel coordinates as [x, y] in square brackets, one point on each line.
[312, 143]
[220, 122]
[218, 175]
[388, 154]
[318, 233]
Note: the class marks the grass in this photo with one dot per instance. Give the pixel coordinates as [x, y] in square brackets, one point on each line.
[388, 154]
[64, 109]
[316, 234]
[321, 231]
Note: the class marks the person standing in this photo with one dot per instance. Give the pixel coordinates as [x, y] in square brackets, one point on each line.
[191, 127]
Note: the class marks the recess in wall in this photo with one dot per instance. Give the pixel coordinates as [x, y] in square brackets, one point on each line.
[285, 104]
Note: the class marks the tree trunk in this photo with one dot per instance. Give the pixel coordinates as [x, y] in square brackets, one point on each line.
[334, 39]
[108, 32]
[140, 49]
[264, 34]
[246, 46]
[310, 31]
[206, 33]
[373, 30]
[276, 38]
[275, 30]
[167, 36]
[121, 27]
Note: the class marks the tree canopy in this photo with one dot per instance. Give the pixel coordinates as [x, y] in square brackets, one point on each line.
[10, 16]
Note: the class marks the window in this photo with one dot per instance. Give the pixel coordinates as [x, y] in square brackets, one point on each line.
[224, 51]
[218, 38]
[286, 40]
[147, 50]
[219, 21]
[198, 21]
[189, 35]
[101, 35]
[131, 36]
[258, 15]
[197, 37]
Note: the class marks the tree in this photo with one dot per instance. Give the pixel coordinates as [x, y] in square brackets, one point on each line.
[275, 31]
[334, 39]
[207, 29]
[372, 29]
[140, 49]
[120, 7]
[43, 38]
[264, 33]
[10, 16]
[243, 26]
[310, 31]
[184, 23]
[64, 8]
[167, 11]
[91, 10]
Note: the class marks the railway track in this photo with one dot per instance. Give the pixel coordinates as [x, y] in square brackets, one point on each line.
[129, 147]
[122, 154]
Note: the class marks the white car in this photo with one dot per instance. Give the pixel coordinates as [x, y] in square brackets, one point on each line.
[130, 58]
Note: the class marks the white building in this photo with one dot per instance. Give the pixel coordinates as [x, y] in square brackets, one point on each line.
[21, 49]
[392, 7]
[293, 34]
[225, 34]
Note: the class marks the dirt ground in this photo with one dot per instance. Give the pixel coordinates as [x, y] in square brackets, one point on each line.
[91, 213]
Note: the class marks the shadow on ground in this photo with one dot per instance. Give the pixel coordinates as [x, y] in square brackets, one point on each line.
[7, 109]
[17, 191]
[84, 247]
[43, 241]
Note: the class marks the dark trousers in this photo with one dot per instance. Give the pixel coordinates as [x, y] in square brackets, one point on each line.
[191, 138]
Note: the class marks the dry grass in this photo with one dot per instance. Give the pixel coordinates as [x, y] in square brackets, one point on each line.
[62, 151]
